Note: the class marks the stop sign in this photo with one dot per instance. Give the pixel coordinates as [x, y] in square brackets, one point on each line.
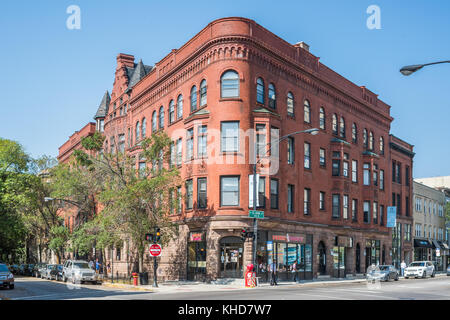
[155, 250]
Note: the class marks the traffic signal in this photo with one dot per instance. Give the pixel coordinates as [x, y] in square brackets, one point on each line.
[149, 237]
[157, 234]
[244, 234]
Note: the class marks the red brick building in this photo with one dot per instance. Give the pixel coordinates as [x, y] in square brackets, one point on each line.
[324, 201]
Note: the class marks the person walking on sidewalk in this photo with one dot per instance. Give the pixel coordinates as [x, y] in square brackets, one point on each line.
[403, 267]
[294, 270]
[273, 273]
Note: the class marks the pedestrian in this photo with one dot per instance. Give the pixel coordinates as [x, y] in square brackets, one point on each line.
[97, 266]
[403, 267]
[91, 264]
[294, 270]
[273, 273]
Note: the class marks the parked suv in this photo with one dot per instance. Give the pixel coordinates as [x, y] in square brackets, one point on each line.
[78, 271]
[6, 277]
[420, 269]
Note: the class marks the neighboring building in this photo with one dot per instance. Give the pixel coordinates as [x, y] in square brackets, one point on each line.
[325, 207]
[429, 226]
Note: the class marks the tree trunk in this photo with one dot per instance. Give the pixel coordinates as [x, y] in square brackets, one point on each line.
[141, 260]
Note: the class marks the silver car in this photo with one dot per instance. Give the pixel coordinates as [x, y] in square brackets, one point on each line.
[78, 271]
[46, 272]
[383, 273]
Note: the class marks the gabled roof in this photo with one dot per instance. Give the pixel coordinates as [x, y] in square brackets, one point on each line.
[102, 110]
[137, 73]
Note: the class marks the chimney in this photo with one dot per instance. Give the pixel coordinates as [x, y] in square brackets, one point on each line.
[303, 45]
[125, 60]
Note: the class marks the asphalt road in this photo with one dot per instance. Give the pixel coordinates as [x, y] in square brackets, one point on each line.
[405, 289]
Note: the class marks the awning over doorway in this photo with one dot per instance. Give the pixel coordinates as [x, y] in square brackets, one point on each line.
[422, 243]
[436, 245]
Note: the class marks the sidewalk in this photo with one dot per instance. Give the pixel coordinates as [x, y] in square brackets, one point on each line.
[235, 284]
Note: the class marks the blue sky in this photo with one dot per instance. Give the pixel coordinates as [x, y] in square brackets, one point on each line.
[53, 78]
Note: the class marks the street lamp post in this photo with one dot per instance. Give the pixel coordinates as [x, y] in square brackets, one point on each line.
[312, 131]
[408, 70]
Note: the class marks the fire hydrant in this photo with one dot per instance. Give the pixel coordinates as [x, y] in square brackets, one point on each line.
[135, 278]
[250, 277]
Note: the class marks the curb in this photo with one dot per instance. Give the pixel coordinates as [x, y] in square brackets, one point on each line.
[122, 286]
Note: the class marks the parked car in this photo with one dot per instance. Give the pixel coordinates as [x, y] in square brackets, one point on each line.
[383, 273]
[78, 271]
[46, 273]
[448, 271]
[42, 270]
[29, 271]
[6, 277]
[420, 269]
[56, 272]
[14, 269]
[36, 269]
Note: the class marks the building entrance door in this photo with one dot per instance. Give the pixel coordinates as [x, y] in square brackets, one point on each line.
[231, 257]
[322, 258]
[358, 258]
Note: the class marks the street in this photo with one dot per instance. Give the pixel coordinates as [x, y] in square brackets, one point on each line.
[406, 289]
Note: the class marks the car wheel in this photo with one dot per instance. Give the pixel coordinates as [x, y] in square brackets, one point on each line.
[433, 274]
[11, 286]
[406, 277]
[396, 278]
[73, 280]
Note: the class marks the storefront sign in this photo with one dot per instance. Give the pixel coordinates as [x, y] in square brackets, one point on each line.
[345, 241]
[438, 252]
[196, 236]
[269, 245]
[391, 217]
[291, 238]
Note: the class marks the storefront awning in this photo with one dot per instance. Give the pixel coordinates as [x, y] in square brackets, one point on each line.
[422, 243]
[436, 245]
[445, 245]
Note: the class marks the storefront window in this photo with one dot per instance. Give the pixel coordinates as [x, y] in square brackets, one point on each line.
[196, 256]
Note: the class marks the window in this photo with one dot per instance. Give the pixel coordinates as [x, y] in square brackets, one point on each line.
[375, 212]
[366, 209]
[381, 215]
[102, 125]
[273, 194]
[399, 204]
[407, 236]
[161, 117]
[375, 174]
[336, 210]
[118, 254]
[125, 109]
[322, 118]
[179, 152]
[407, 175]
[366, 174]
[171, 111]
[321, 200]
[138, 132]
[144, 128]
[291, 150]
[229, 191]
[201, 193]
[229, 136]
[398, 172]
[365, 138]
[272, 97]
[261, 140]
[354, 133]
[129, 137]
[290, 104]
[260, 91]
[261, 192]
[229, 84]
[334, 124]
[306, 112]
[345, 207]
[141, 169]
[381, 179]
[345, 168]
[336, 167]
[290, 199]
[154, 122]
[354, 171]
[203, 93]
[179, 197]
[189, 194]
[201, 143]
[307, 201]
[407, 206]
[180, 107]
[381, 145]
[371, 140]
[354, 209]
[342, 128]
[122, 143]
[322, 158]
[193, 98]
[307, 162]
[190, 144]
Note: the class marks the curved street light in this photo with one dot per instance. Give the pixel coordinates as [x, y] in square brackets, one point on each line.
[408, 70]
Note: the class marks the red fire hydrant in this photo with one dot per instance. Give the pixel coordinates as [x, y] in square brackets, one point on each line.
[135, 278]
[250, 277]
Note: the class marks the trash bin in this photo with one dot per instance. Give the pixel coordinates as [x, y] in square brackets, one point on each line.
[143, 278]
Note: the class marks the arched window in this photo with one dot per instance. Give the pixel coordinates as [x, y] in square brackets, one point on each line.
[365, 137]
[138, 132]
[354, 133]
[193, 98]
[381, 145]
[229, 84]
[154, 121]
[260, 90]
[371, 140]
[203, 93]
[290, 104]
[171, 111]
[272, 97]
[144, 128]
[322, 118]
[342, 128]
[334, 124]
[306, 112]
[180, 107]
[161, 117]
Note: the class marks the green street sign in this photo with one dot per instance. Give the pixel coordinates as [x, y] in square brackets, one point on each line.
[256, 214]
